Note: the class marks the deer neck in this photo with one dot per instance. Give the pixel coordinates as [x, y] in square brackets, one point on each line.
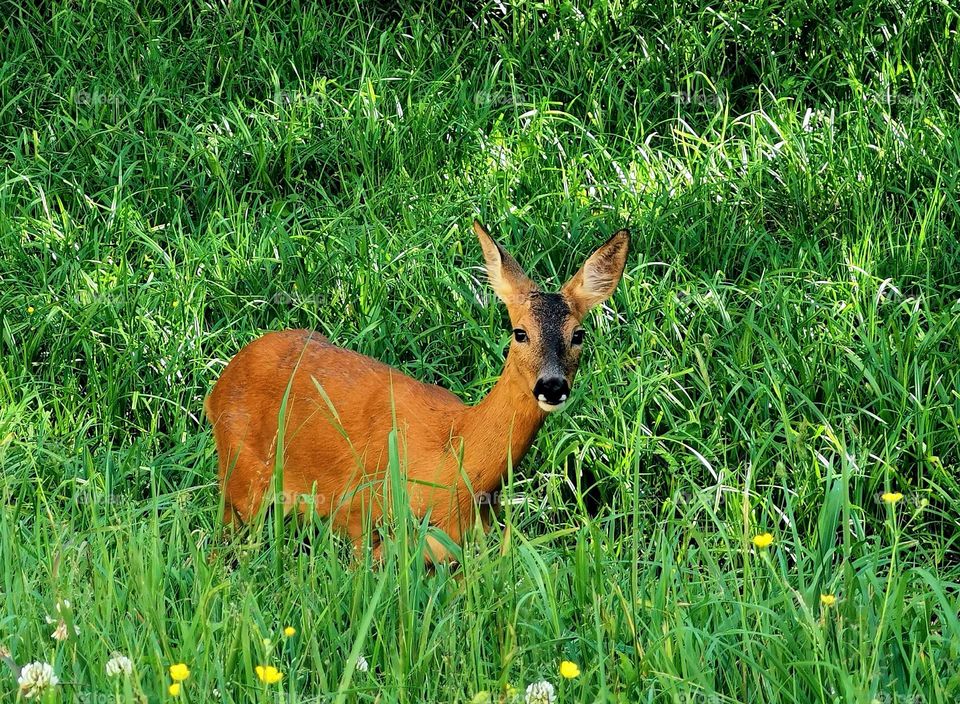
[499, 430]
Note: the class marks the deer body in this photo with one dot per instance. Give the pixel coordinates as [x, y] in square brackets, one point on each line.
[341, 407]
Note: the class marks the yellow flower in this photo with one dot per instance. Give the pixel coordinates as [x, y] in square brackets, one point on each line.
[764, 540]
[174, 689]
[891, 497]
[269, 674]
[179, 672]
[30, 310]
[289, 631]
[569, 670]
[828, 599]
[510, 692]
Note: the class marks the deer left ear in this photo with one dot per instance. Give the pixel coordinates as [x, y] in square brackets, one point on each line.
[598, 277]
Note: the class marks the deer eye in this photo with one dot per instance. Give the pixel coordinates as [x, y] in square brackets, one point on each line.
[519, 335]
[577, 338]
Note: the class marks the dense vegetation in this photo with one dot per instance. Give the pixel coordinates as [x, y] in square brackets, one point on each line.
[783, 350]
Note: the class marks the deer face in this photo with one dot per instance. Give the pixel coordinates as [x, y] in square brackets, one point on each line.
[547, 335]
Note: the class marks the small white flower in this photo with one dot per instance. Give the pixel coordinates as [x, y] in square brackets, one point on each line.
[539, 693]
[60, 634]
[362, 664]
[65, 604]
[118, 664]
[35, 678]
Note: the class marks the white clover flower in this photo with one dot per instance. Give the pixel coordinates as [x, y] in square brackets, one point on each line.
[60, 634]
[35, 678]
[362, 664]
[539, 693]
[118, 664]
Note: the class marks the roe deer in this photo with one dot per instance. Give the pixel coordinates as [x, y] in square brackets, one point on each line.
[340, 407]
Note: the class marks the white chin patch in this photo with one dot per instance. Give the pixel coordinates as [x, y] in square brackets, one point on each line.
[550, 408]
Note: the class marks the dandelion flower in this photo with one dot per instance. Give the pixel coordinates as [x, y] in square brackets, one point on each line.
[35, 678]
[362, 664]
[174, 689]
[762, 541]
[269, 674]
[539, 693]
[828, 599]
[179, 672]
[118, 665]
[569, 670]
[289, 631]
[891, 497]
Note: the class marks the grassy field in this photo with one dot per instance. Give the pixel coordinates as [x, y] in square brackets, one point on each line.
[784, 348]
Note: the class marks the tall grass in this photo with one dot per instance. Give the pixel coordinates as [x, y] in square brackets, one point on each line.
[179, 178]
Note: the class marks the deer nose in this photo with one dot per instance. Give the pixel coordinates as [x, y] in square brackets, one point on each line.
[553, 390]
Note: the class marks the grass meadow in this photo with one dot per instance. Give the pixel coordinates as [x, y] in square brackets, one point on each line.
[783, 351]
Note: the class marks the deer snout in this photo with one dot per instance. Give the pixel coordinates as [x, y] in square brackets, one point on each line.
[551, 392]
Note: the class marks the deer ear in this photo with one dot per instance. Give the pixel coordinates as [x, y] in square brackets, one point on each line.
[598, 277]
[505, 275]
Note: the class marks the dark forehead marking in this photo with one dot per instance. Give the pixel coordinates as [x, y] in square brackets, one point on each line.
[550, 310]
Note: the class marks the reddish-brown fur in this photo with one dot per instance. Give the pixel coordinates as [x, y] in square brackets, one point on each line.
[340, 411]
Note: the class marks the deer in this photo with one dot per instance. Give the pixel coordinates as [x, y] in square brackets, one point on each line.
[338, 408]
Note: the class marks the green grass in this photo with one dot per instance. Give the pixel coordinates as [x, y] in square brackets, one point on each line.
[180, 178]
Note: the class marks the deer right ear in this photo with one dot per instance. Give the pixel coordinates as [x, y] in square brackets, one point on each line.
[598, 277]
[506, 277]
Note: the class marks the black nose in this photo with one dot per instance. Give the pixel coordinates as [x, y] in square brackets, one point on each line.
[553, 390]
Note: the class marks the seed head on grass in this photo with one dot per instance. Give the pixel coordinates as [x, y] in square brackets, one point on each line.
[763, 540]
